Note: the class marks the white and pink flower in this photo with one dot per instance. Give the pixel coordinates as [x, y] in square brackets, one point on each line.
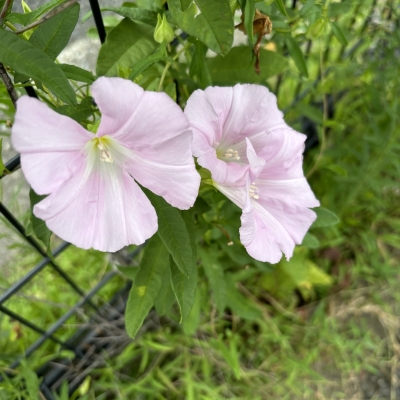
[255, 159]
[94, 200]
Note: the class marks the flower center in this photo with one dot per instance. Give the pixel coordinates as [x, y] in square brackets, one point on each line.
[103, 143]
[104, 153]
[253, 191]
[228, 155]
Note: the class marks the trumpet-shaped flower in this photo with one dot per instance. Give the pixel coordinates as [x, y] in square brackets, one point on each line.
[255, 160]
[94, 201]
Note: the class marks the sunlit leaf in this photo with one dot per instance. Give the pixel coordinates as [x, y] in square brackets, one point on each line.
[297, 55]
[324, 218]
[173, 232]
[128, 43]
[146, 285]
[38, 226]
[208, 20]
[238, 66]
[339, 35]
[281, 7]
[29, 60]
[53, 35]
[78, 112]
[77, 74]
[135, 14]
[215, 276]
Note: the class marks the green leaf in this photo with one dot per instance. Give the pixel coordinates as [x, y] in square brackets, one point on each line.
[53, 35]
[310, 241]
[339, 35]
[297, 55]
[249, 11]
[142, 65]
[215, 276]
[184, 288]
[308, 8]
[129, 272]
[27, 59]
[316, 28]
[166, 296]
[281, 26]
[79, 112]
[128, 43]
[238, 66]
[77, 74]
[239, 304]
[198, 66]
[31, 380]
[2, 166]
[208, 20]
[281, 7]
[38, 226]
[192, 321]
[26, 19]
[230, 353]
[173, 232]
[339, 9]
[324, 218]
[200, 206]
[147, 284]
[337, 169]
[134, 14]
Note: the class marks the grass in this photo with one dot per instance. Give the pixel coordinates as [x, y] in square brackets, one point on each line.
[311, 341]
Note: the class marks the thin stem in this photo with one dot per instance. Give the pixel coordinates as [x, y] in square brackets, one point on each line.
[166, 68]
[168, 64]
[49, 15]
[9, 85]
[11, 26]
[323, 133]
[4, 10]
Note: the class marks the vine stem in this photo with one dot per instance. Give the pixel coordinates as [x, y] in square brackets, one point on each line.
[325, 118]
[168, 64]
[4, 10]
[8, 84]
[47, 16]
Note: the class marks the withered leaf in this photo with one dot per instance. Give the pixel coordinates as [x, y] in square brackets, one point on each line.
[262, 26]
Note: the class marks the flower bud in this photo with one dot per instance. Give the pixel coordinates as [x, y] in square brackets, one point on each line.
[163, 31]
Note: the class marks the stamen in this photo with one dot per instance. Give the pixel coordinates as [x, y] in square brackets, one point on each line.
[253, 191]
[105, 155]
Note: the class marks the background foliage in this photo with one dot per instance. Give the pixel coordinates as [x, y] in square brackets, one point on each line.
[324, 324]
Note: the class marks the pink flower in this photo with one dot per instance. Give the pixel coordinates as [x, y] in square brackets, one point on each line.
[255, 160]
[94, 201]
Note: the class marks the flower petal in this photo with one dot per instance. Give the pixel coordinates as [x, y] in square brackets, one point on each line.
[292, 191]
[263, 237]
[50, 144]
[253, 111]
[102, 209]
[294, 219]
[207, 112]
[168, 170]
[256, 163]
[283, 155]
[134, 117]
